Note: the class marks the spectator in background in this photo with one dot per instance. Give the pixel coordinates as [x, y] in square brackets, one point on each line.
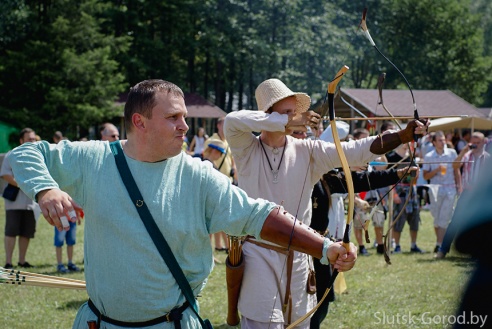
[373, 197]
[359, 217]
[440, 172]
[426, 145]
[109, 132]
[65, 235]
[472, 159]
[58, 137]
[449, 140]
[70, 238]
[197, 144]
[462, 141]
[411, 212]
[214, 151]
[225, 163]
[20, 220]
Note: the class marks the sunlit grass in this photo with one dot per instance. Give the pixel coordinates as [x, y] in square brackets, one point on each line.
[412, 285]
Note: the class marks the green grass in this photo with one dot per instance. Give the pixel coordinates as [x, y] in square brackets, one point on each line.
[413, 285]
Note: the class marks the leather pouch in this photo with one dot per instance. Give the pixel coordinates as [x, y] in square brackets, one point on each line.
[10, 192]
[311, 282]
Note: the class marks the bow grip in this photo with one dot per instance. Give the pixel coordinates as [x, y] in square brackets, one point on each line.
[416, 117]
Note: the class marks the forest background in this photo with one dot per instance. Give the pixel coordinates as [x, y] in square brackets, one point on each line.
[65, 63]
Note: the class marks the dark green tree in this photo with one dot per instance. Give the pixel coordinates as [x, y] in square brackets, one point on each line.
[437, 44]
[483, 8]
[63, 74]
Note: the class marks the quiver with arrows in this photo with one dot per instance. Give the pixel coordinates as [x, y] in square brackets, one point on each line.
[234, 278]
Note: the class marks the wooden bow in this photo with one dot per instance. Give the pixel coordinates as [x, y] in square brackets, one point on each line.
[350, 186]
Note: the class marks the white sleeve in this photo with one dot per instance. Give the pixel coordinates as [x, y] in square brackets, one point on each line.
[239, 127]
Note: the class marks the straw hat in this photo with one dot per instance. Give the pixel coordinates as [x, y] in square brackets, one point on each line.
[342, 128]
[217, 144]
[271, 91]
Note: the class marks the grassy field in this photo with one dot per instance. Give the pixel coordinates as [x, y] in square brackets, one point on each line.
[416, 291]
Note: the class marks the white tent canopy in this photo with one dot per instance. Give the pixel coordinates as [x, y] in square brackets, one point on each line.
[472, 123]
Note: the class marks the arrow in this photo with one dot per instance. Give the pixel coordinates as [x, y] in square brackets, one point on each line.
[378, 163]
[402, 118]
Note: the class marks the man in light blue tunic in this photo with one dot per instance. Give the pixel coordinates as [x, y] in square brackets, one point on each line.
[127, 280]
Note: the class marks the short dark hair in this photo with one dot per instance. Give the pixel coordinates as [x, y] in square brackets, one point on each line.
[141, 98]
[386, 126]
[359, 131]
[437, 134]
[25, 131]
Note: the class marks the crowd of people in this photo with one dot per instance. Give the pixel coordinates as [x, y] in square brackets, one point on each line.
[22, 212]
[271, 176]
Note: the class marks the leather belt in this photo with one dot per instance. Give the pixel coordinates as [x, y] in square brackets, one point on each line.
[174, 316]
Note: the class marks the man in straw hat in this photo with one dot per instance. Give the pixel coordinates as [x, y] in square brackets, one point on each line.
[277, 167]
[186, 197]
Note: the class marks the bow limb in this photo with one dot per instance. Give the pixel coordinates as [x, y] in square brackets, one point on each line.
[365, 31]
[381, 79]
[346, 168]
[350, 186]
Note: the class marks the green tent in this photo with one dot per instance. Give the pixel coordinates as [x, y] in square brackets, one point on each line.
[8, 137]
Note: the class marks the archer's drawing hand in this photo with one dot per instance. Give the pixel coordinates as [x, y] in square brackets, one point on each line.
[362, 204]
[299, 121]
[411, 170]
[340, 258]
[58, 207]
[414, 127]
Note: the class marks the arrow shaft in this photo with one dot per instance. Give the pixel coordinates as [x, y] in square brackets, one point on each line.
[377, 163]
[402, 118]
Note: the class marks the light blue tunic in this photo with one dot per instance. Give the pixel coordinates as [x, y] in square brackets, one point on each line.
[126, 277]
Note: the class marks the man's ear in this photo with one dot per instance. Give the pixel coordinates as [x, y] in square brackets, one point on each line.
[138, 121]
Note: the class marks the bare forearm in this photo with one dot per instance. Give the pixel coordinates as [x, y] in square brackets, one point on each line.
[10, 179]
[431, 173]
[457, 179]
[457, 164]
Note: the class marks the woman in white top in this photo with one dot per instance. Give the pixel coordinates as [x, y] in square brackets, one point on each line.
[198, 142]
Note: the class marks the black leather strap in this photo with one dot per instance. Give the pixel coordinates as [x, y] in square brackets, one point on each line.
[174, 316]
[153, 230]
